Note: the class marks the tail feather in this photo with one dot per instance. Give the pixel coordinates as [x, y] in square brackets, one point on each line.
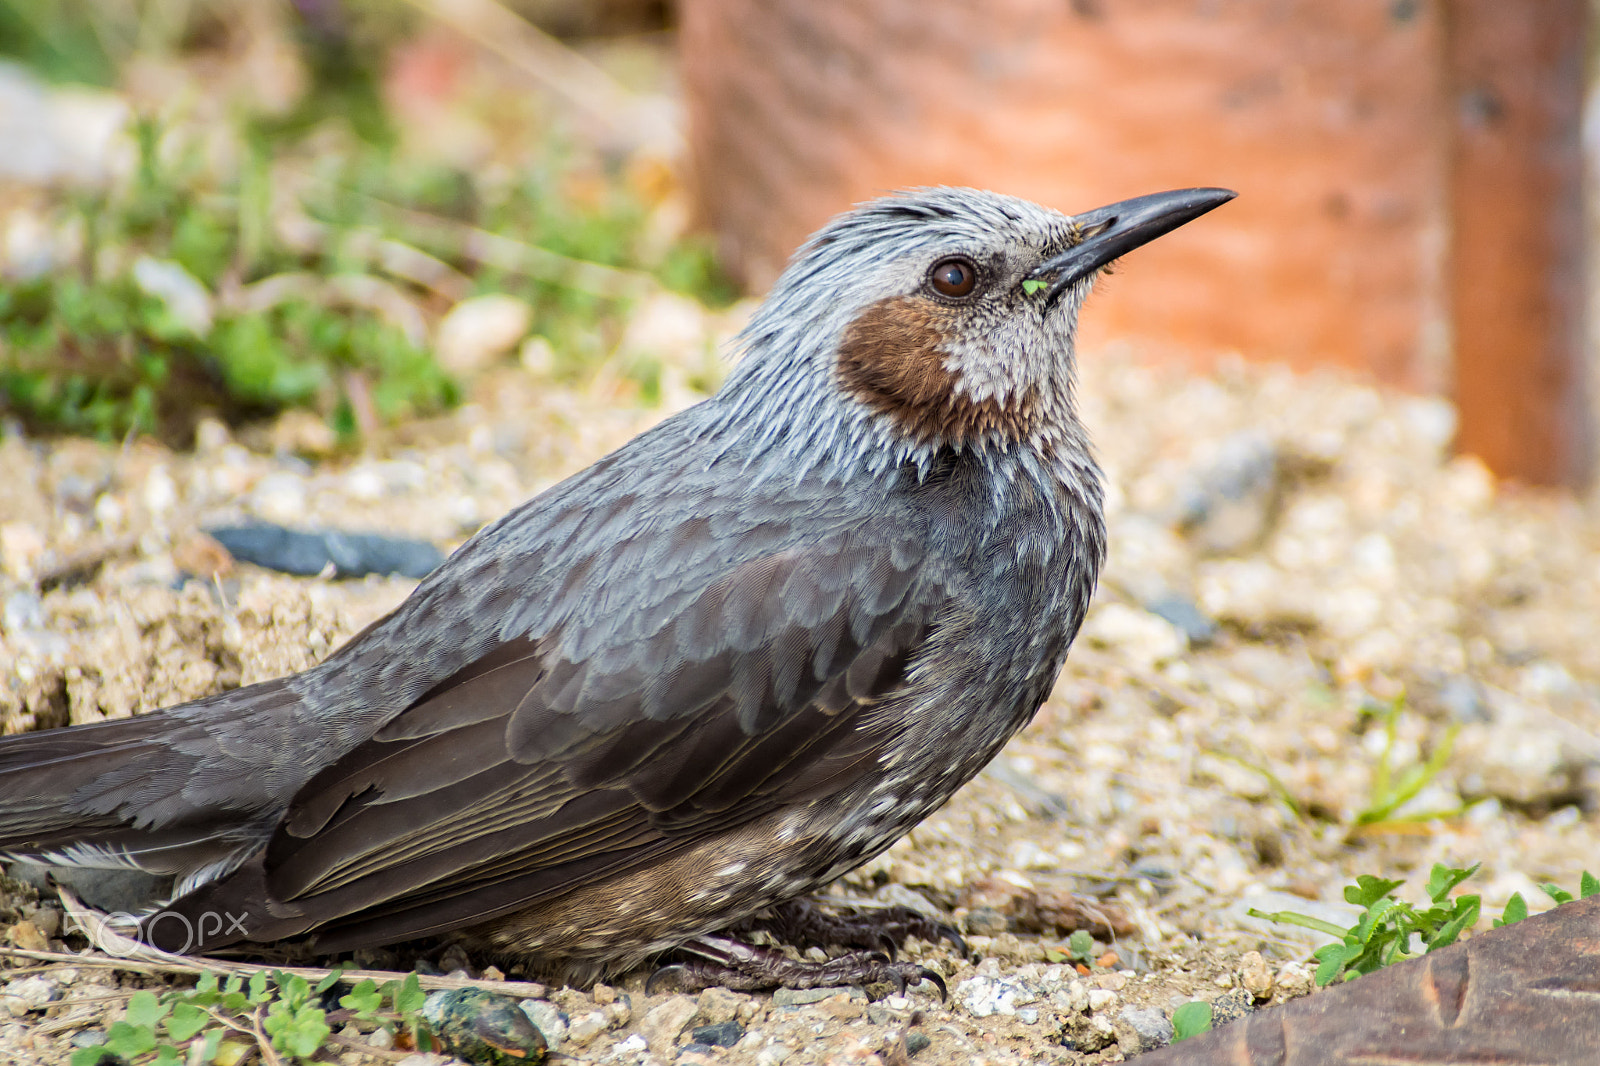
[41, 772]
[122, 793]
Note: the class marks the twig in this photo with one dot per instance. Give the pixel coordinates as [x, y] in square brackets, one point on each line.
[263, 1041]
[81, 567]
[177, 964]
[450, 237]
[69, 1020]
[552, 64]
[516, 256]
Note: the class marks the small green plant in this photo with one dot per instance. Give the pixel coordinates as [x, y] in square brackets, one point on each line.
[1080, 949]
[1191, 1019]
[1033, 285]
[1517, 907]
[185, 296]
[1275, 785]
[1394, 787]
[405, 998]
[221, 1023]
[1385, 932]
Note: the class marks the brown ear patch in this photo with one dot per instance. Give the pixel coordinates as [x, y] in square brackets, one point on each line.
[892, 359]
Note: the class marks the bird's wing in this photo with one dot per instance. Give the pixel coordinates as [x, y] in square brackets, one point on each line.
[531, 771]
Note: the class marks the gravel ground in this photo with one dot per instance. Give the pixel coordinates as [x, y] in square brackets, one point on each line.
[1287, 556]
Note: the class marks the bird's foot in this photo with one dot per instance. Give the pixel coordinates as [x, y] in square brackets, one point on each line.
[806, 923]
[745, 967]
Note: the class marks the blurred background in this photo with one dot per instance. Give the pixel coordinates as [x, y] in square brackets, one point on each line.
[220, 205]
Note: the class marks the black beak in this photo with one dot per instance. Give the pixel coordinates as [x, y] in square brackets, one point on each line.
[1111, 231]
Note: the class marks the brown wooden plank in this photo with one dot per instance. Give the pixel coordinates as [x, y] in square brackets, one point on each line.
[1522, 995]
[1515, 77]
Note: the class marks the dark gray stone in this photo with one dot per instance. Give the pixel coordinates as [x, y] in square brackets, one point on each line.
[723, 1034]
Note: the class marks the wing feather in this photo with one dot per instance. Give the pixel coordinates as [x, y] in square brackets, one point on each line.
[583, 750]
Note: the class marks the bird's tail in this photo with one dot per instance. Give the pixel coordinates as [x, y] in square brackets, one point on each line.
[131, 793]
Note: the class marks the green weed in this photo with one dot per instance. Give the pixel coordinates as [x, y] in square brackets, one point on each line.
[1191, 1019]
[281, 1014]
[1393, 787]
[1391, 930]
[94, 348]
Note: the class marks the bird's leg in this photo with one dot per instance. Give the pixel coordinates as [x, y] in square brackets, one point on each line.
[807, 923]
[745, 967]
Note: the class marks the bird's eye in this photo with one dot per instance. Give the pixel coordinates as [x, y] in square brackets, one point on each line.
[955, 277]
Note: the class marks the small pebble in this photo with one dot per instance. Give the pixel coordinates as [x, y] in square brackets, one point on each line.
[917, 1041]
[1101, 998]
[662, 1023]
[480, 329]
[722, 1034]
[586, 1027]
[718, 1005]
[1293, 979]
[843, 1007]
[278, 498]
[27, 936]
[548, 1018]
[453, 958]
[983, 996]
[1231, 1006]
[1141, 1030]
[799, 997]
[484, 1027]
[1254, 975]
[29, 994]
[773, 1054]
[985, 921]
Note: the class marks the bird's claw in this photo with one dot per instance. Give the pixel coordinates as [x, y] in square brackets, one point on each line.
[744, 967]
[676, 971]
[805, 923]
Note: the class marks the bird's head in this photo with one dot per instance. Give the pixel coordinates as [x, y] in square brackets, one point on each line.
[940, 318]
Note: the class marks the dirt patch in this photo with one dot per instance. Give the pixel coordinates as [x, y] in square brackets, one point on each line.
[1289, 556]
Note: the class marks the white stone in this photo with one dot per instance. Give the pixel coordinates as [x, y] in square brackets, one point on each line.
[668, 325]
[480, 329]
[1138, 634]
[547, 1018]
[159, 491]
[280, 498]
[773, 1054]
[31, 993]
[585, 1028]
[185, 298]
[537, 356]
[983, 996]
[662, 1023]
[1101, 998]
